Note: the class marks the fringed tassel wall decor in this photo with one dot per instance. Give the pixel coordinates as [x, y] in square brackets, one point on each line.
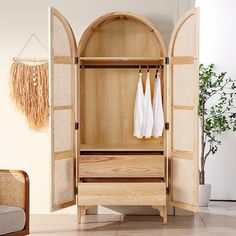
[29, 91]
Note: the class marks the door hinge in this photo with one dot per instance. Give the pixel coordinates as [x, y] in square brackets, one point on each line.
[76, 125]
[76, 190]
[167, 126]
[167, 60]
[76, 60]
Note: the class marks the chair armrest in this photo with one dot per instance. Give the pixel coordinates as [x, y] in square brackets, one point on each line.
[14, 190]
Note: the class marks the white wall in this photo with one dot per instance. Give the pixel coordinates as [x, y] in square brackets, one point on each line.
[218, 46]
[28, 150]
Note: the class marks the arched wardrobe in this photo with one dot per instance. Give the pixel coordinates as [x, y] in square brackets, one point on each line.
[96, 160]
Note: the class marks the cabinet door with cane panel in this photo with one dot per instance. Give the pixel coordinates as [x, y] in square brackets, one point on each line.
[62, 82]
[183, 54]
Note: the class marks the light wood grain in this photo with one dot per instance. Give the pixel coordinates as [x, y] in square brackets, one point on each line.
[63, 155]
[182, 154]
[58, 199]
[121, 166]
[182, 107]
[122, 147]
[163, 212]
[62, 107]
[63, 60]
[183, 52]
[182, 60]
[122, 194]
[123, 18]
[109, 94]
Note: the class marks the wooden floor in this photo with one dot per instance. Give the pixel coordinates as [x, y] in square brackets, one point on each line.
[217, 220]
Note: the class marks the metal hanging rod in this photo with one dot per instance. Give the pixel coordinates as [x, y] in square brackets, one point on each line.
[119, 66]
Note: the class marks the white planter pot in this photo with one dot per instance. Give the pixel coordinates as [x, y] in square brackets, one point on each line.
[204, 194]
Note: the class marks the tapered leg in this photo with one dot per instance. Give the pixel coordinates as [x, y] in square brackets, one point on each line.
[79, 214]
[164, 215]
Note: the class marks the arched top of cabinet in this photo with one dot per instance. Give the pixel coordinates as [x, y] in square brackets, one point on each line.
[122, 31]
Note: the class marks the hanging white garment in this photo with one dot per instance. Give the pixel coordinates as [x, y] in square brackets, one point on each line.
[148, 112]
[139, 109]
[158, 116]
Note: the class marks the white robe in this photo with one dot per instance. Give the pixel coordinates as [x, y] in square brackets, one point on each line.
[139, 109]
[158, 116]
[148, 112]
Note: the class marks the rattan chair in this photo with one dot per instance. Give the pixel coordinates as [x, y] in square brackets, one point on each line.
[14, 191]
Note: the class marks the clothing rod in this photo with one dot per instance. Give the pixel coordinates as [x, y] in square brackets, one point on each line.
[121, 66]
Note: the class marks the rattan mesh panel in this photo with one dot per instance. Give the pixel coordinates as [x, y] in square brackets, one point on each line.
[183, 180]
[185, 43]
[64, 181]
[183, 76]
[62, 130]
[62, 91]
[60, 39]
[183, 130]
[12, 189]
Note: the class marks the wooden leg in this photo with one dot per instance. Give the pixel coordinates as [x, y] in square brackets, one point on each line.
[164, 215]
[81, 211]
[79, 214]
[163, 212]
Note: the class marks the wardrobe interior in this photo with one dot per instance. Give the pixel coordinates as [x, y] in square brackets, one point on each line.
[107, 95]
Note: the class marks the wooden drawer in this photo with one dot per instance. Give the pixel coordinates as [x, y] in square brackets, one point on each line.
[121, 166]
[122, 194]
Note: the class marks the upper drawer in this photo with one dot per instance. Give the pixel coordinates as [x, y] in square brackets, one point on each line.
[121, 166]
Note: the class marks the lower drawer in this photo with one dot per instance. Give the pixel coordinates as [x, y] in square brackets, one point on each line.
[122, 193]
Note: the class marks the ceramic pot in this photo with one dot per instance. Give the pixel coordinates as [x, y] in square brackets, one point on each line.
[204, 194]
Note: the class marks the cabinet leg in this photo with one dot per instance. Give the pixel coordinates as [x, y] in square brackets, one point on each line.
[81, 211]
[163, 212]
[79, 214]
[164, 215]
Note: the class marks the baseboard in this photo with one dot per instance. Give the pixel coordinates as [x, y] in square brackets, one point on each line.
[219, 200]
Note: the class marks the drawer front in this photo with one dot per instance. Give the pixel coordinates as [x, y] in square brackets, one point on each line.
[121, 166]
[122, 193]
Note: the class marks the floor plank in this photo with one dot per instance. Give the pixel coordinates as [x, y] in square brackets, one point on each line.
[217, 220]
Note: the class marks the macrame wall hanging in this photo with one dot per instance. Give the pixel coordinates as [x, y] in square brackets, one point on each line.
[29, 87]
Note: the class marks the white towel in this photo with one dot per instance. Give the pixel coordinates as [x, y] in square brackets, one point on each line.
[148, 113]
[158, 116]
[139, 109]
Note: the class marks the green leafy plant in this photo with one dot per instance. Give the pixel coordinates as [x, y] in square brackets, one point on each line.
[217, 100]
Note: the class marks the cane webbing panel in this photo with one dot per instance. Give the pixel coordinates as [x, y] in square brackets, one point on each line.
[64, 190]
[12, 189]
[62, 85]
[61, 45]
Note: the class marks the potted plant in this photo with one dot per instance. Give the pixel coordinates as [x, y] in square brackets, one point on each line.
[217, 101]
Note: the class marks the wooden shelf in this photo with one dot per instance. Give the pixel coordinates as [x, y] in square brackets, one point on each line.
[121, 61]
[122, 147]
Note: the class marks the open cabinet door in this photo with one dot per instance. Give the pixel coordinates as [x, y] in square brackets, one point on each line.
[62, 96]
[183, 78]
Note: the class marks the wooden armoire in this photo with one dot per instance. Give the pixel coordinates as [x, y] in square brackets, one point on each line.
[95, 157]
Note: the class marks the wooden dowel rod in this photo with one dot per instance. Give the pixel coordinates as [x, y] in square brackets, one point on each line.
[30, 59]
